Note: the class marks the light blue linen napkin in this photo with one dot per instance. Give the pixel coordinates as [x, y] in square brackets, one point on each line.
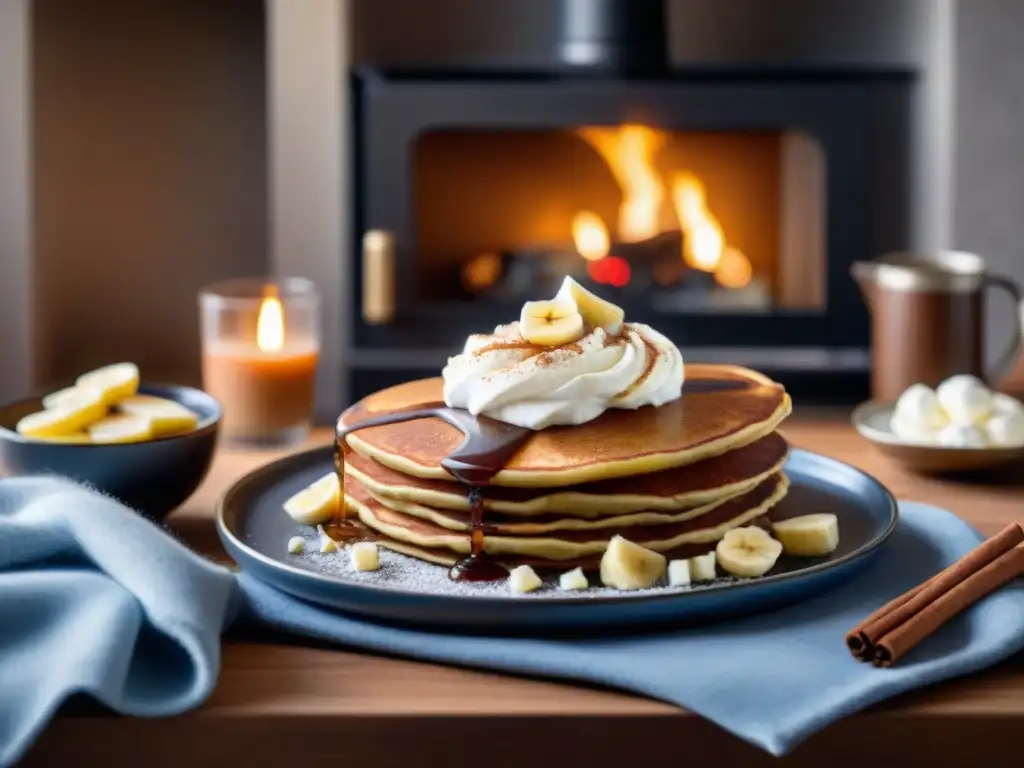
[133, 618]
[94, 599]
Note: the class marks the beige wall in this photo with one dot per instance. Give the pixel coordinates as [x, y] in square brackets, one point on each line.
[149, 175]
[990, 146]
[307, 90]
[16, 337]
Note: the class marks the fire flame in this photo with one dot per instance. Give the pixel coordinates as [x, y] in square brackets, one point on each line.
[629, 152]
[590, 235]
[270, 324]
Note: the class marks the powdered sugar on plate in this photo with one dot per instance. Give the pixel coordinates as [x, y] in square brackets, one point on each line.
[407, 574]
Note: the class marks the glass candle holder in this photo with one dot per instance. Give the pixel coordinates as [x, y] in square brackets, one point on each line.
[260, 349]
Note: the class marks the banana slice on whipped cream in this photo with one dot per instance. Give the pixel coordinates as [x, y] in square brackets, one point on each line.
[563, 319]
[595, 311]
[551, 323]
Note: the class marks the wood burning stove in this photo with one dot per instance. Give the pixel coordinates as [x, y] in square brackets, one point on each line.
[721, 202]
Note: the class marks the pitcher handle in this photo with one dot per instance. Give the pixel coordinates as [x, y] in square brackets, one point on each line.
[1005, 362]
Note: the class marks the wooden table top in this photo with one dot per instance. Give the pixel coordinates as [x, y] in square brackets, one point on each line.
[278, 702]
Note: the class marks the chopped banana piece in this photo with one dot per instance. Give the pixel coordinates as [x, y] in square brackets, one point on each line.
[296, 545]
[626, 565]
[327, 544]
[702, 567]
[364, 556]
[116, 381]
[809, 535]
[679, 573]
[748, 552]
[594, 310]
[317, 503]
[551, 323]
[523, 579]
[574, 579]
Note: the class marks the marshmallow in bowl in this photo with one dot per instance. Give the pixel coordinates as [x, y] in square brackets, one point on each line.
[962, 436]
[918, 415]
[1006, 429]
[960, 413]
[1004, 404]
[966, 399]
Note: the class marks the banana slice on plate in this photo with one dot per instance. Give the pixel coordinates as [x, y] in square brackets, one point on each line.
[552, 322]
[747, 552]
[594, 310]
[166, 416]
[626, 565]
[77, 411]
[808, 535]
[121, 428]
[317, 503]
[116, 381]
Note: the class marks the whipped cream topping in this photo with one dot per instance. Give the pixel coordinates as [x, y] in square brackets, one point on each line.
[505, 377]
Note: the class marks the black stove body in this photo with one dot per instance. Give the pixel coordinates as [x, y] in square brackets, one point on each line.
[482, 130]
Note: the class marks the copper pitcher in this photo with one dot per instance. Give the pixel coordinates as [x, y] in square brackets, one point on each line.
[927, 319]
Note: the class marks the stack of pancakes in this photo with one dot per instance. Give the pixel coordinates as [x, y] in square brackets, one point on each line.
[673, 479]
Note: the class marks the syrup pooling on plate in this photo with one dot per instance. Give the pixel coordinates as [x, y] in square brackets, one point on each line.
[488, 446]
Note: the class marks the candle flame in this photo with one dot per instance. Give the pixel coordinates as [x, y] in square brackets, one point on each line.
[270, 325]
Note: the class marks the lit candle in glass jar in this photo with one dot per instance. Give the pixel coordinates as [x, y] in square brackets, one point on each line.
[260, 348]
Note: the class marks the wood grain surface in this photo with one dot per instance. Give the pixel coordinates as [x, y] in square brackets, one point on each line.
[278, 703]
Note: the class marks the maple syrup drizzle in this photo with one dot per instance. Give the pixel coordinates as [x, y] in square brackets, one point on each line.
[487, 447]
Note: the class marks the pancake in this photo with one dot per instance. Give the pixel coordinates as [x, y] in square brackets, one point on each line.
[722, 408]
[498, 523]
[669, 490]
[564, 546]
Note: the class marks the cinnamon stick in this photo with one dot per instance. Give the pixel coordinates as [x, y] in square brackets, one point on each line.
[906, 636]
[858, 643]
[863, 639]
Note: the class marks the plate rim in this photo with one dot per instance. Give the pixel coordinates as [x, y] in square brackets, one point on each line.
[253, 476]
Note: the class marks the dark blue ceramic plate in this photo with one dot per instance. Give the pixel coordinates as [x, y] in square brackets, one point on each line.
[255, 529]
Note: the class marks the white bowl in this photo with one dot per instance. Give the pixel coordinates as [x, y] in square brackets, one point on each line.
[871, 420]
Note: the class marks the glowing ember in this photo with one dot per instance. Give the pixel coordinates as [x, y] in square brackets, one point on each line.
[611, 270]
[482, 272]
[590, 236]
[734, 269]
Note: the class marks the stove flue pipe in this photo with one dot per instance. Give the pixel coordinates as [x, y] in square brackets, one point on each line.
[626, 37]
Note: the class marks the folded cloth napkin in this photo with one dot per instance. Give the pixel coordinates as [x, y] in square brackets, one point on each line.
[94, 599]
